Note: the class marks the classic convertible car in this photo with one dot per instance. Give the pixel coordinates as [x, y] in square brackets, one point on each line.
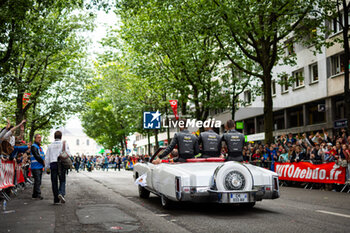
[205, 180]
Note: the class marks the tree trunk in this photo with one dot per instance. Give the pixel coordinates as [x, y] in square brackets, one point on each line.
[149, 144]
[156, 139]
[167, 118]
[346, 63]
[233, 108]
[122, 147]
[268, 108]
[19, 107]
[31, 133]
[183, 102]
[125, 142]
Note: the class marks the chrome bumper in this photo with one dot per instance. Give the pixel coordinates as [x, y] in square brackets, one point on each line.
[202, 194]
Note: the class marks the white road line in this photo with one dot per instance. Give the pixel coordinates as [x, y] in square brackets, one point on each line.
[333, 213]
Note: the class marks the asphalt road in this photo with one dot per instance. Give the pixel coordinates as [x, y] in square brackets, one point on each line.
[108, 202]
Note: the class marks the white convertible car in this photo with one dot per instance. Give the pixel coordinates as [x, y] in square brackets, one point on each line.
[206, 180]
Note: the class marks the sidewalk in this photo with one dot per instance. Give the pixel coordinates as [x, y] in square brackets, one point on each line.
[27, 215]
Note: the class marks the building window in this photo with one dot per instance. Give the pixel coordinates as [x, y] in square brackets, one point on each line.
[77, 142]
[284, 84]
[316, 117]
[299, 78]
[289, 48]
[337, 65]
[296, 117]
[273, 87]
[336, 25]
[314, 73]
[247, 97]
[87, 142]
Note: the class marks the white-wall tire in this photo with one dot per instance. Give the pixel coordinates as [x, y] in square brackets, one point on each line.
[226, 169]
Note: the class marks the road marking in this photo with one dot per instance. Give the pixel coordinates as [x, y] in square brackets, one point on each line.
[333, 213]
[162, 215]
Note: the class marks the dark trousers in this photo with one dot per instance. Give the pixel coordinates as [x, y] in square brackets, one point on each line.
[37, 174]
[105, 166]
[58, 173]
[77, 166]
[118, 166]
[235, 156]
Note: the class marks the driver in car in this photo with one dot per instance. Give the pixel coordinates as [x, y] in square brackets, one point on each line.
[186, 142]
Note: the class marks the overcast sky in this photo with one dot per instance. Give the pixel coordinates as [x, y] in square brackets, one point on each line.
[104, 22]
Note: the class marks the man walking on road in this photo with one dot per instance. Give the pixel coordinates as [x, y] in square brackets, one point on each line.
[58, 172]
[37, 164]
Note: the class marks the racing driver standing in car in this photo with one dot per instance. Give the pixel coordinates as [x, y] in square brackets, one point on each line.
[234, 142]
[211, 143]
[187, 145]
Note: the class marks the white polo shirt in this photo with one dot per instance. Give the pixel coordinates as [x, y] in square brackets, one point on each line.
[53, 151]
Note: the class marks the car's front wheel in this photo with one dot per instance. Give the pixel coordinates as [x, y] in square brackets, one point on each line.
[143, 193]
[166, 203]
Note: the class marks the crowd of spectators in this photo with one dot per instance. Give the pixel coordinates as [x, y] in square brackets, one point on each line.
[14, 148]
[317, 149]
[106, 162]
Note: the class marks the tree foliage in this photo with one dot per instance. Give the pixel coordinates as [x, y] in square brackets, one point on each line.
[46, 56]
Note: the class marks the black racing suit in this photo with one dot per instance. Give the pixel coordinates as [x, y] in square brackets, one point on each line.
[211, 144]
[235, 142]
[187, 146]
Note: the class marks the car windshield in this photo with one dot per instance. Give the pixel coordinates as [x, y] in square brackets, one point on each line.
[158, 152]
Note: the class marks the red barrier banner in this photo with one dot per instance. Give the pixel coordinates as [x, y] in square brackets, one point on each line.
[19, 174]
[308, 172]
[7, 174]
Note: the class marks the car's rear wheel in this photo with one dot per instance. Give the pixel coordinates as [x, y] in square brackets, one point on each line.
[166, 203]
[248, 205]
[143, 193]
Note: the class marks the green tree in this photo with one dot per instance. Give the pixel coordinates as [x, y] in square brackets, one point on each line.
[253, 36]
[100, 123]
[47, 61]
[168, 35]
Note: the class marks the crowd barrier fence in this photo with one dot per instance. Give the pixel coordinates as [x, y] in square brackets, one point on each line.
[11, 174]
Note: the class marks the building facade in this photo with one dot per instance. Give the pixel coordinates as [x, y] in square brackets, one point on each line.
[314, 101]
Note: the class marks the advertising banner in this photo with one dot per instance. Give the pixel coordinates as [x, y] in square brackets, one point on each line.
[308, 172]
[7, 174]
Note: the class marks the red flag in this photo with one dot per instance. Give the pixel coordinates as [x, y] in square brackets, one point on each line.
[26, 97]
[173, 104]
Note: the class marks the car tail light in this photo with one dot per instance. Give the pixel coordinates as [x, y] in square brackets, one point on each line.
[275, 183]
[178, 187]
